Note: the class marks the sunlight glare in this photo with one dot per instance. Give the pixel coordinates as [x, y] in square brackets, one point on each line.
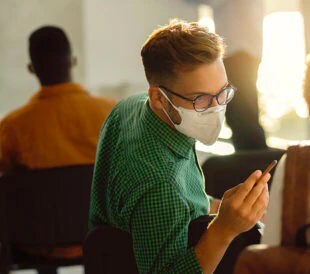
[281, 71]
[205, 15]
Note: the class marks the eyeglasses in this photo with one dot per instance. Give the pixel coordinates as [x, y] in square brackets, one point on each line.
[204, 101]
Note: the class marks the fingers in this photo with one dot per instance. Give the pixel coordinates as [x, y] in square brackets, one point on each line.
[247, 186]
[256, 191]
[262, 202]
[243, 205]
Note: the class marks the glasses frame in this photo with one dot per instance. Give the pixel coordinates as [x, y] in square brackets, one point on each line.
[227, 86]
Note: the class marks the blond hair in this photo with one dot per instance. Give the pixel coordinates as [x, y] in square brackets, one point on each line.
[178, 46]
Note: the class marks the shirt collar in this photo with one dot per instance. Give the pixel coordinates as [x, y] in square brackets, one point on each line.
[178, 142]
[58, 90]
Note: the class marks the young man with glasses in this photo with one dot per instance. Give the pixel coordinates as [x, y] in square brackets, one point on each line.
[147, 180]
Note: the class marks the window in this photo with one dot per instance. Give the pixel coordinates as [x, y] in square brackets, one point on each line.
[283, 110]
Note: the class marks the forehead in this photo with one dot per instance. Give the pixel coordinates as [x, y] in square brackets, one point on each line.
[205, 78]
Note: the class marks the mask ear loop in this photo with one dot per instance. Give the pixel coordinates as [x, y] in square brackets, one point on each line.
[165, 95]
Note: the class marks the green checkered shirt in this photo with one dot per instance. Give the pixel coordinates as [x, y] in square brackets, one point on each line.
[147, 181]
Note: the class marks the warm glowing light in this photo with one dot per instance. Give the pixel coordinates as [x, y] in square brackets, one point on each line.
[205, 15]
[281, 143]
[280, 79]
[282, 68]
[301, 108]
[219, 148]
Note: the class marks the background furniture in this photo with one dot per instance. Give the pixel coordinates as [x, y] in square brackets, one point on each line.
[43, 209]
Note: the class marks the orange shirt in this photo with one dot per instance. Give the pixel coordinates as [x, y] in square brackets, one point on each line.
[59, 126]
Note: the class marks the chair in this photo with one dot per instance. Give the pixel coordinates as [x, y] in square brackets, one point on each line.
[285, 259]
[43, 208]
[109, 250]
[293, 254]
[224, 172]
[261, 259]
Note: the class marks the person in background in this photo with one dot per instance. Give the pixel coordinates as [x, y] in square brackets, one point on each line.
[60, 124]
[147, 180]
[240, 23]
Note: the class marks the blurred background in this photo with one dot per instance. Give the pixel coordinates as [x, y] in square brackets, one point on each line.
[107, 36]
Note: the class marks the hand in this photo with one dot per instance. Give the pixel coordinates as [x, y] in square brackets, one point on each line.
[243, 205]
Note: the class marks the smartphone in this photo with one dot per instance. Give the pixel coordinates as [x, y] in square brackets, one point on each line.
[268, 169]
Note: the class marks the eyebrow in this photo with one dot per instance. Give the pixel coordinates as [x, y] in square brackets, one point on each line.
[196, 93]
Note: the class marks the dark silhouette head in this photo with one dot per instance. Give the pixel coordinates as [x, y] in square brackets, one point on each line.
[50, 54]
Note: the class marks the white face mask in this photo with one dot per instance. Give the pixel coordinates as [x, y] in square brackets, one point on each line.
[203, 126]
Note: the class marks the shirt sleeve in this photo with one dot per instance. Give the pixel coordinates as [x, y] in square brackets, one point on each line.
[7, 148]
[108, 132]
[159, 229]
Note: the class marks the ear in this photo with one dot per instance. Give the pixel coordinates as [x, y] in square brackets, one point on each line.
[31, 68]
[74, 61]
[157, 100]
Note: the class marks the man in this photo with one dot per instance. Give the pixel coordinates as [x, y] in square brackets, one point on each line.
[147, 180]
[60, 124]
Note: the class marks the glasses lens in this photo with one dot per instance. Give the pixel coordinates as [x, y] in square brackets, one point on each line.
[222, 97]
[230, 94]
[203, 102]
[225, 96]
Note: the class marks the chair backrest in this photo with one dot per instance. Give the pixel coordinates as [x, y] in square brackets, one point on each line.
[46, 207]
[296, 194]
[293, 256]
[224, 172]
[108, 250]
